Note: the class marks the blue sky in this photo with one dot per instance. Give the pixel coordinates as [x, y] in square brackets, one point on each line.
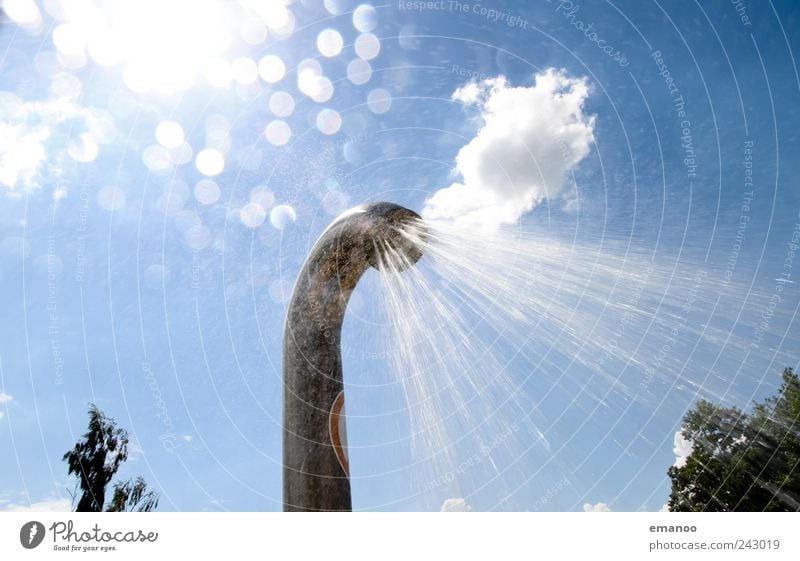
[159, 190]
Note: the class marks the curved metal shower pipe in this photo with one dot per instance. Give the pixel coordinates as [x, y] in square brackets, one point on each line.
[316, 472]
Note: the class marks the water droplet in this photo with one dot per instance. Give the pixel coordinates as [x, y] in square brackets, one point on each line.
[210, 162]
[282, 216]
[278, 133]
[207, 192]
[181, 155]
[271, 69]
[262, 196]
[335, 7]
[24, 13]
[252, 215]
[329, 121]
[329, 42]
[319, 88]
[69, 39]
[367, 46]
[365, 18]
[245, 70]
[281, 104]
[169, 134]
[156, 158]
[359, 71]
[84, 148]
[379, 101]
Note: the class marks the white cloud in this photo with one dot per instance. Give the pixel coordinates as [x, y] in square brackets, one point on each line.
[22, 153]
[36, 135]
[599, 507]
[682, 448]
[469, 93]
[530, 138]
[4, 397]
[455, 505]
[53, 505]
[664, 508]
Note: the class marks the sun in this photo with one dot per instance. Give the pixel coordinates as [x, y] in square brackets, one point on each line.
[160, 46]
[165, 45]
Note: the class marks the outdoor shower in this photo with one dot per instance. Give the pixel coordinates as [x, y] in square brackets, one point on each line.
[316, 473]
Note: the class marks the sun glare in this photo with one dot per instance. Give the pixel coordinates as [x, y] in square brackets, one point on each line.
[164, 45]
[161, 47]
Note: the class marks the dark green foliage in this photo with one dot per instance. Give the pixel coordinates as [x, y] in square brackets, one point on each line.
[133, 496]
[95, 460]
[742, 462]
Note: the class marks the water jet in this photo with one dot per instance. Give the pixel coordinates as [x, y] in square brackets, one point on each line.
[316, 472]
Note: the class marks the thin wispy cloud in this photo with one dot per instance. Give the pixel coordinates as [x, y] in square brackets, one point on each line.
[52, 505]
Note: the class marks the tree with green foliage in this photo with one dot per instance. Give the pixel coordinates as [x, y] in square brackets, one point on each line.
[133, 496]
[742, 462]
[95, 460]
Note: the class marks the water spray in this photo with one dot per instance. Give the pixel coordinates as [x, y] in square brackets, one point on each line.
[316, 471]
